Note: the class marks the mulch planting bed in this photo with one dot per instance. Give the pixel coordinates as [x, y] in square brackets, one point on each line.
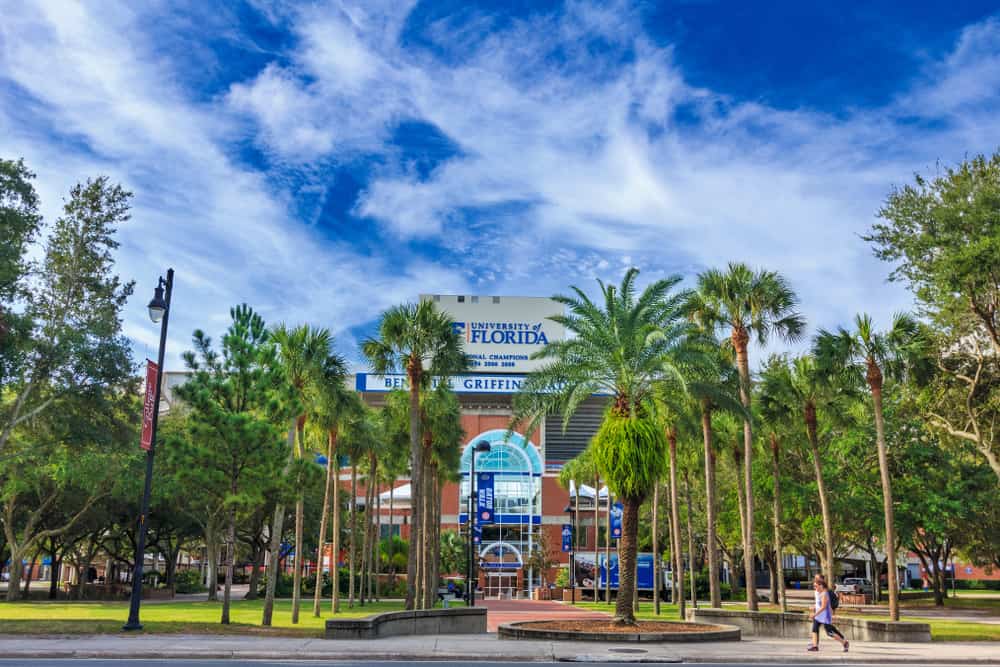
[609, 627]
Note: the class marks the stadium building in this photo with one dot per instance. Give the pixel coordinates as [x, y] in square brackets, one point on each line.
[501, 333]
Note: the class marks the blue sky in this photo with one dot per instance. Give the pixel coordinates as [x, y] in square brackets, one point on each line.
[325, 160]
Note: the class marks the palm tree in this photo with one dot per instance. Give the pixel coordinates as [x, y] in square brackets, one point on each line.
[304, 353]
[620, 346]
[714, 387]
[800, 388]
[332, 403]
[864, 355]
[408, 335]
[749, 304]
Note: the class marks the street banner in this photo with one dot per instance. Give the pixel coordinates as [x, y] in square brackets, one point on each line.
[567, 537]
[616, 520]
[149, 405]
[477, 535]
[484, 499]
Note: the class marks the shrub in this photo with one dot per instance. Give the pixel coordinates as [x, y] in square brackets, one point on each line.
[189, 581]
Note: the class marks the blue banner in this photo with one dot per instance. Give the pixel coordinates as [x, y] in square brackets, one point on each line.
[567, 537]
[484, 498]
[477, 535]
[616, 520]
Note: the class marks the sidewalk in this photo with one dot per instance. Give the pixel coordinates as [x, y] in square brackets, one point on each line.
[486, 647]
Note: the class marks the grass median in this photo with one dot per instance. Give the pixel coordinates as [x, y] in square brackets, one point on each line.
[75, 618]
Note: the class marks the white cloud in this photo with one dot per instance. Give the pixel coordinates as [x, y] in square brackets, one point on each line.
[580, 142]
[230, 237]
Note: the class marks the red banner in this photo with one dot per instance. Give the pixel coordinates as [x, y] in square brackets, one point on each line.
[149, 405]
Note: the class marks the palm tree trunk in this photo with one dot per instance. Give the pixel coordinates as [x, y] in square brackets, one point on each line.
[883, 464]
[627, 552]
[776, 477]
[690, 536]
[277, 526]
[741, 505]
[352, 514]
[413, 371]
[392, 532]
[711, 544]
[597, 519]
[335, 549]
[675, 521]
[607, 553]
[318, 593]
[377, 556]
[741, 337]
[810, 419]
[656, 548]
[300, 509]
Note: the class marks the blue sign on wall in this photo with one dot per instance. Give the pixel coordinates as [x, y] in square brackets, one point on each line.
[484, 498]
[567, 537]
[643, 571]
[616, 520]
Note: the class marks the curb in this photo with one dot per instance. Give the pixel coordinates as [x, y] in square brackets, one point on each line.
[421, 657]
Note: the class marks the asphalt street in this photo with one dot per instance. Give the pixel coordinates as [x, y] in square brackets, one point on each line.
[89, 662]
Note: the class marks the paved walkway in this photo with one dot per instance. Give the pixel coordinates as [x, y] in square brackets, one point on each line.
[508, 611]
[486, 647]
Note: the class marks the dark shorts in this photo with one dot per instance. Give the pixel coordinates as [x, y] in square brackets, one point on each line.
[831, 631]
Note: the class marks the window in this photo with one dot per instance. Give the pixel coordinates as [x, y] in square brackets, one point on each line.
[580, 538]
[461, 299]
[496, 299]
[385, 530]
[475, 299]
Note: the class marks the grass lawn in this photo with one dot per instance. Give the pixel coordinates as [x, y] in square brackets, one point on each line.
[173, 617]
[943, 630]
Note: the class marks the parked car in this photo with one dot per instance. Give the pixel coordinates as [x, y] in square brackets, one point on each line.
[855, 586]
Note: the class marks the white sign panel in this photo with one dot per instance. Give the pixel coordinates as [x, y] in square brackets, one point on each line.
[501, 333]
[461, 384]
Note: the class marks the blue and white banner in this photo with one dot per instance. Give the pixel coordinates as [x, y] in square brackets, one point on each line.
[567, 537]
[484, 498]
[477, 535]
[616, 520]
[460, 384]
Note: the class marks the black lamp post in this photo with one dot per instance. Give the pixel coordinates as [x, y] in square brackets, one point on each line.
[470, 586]
[572, 552]
[159, 312]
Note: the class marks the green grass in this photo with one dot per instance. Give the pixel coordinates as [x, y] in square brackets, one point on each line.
[173, 617]
[942, 630]
[960, 631]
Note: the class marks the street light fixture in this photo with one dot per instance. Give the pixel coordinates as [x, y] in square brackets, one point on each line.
[159, 312]
[470, 586]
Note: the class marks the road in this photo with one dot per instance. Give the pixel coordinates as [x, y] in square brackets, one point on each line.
[43, 662]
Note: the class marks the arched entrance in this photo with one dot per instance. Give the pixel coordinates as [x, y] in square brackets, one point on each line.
[516, 465]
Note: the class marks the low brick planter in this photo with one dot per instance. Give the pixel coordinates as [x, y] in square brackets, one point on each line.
[797, 626]
[530, 630]
[461, 620]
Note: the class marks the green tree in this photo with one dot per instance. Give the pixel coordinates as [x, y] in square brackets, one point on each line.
[797, 387]
[19, 224]
[303, 352]
[69, 339]
[409, 336]
[864, 355]
[235, 441]
[750, 304]
[333, 403]
[620, 346]
[943, 235]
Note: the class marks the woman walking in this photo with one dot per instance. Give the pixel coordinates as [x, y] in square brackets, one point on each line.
[822, 615]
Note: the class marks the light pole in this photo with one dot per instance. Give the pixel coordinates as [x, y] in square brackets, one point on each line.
[574, 498]
[470, 587]
[159, 311]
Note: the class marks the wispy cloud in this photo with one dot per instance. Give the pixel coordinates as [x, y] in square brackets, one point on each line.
[580, 147]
